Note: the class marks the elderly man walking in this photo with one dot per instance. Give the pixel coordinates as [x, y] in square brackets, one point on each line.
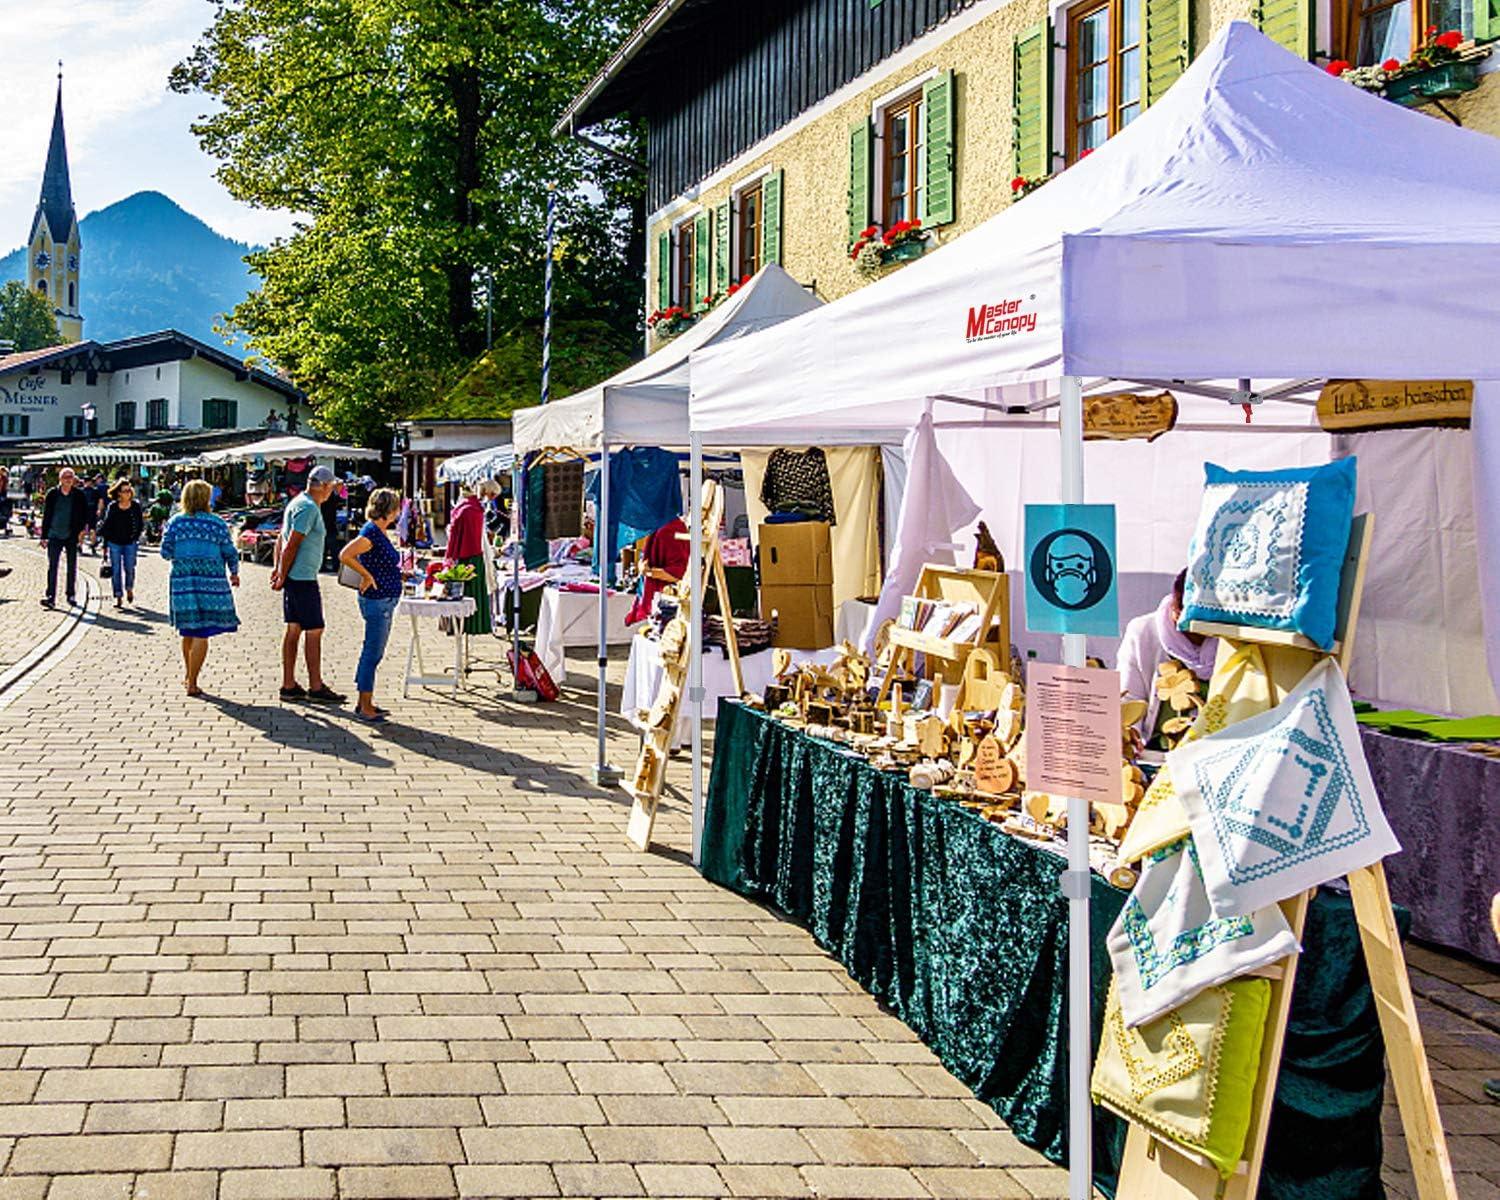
[64, 515]
[299, 554]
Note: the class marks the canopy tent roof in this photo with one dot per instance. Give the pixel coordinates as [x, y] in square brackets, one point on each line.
[1262, 219]
[92, 455]
[646, 404]
[477, 465]
[280, 449]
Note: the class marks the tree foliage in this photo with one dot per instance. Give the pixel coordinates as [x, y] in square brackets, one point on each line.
[26, 318]
[413, 140]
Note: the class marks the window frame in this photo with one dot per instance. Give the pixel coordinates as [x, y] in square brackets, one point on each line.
[229, 410]
[756, 185]
[913, 105]
[152, 408]
[684, 254]
[1076, 15]
[880, 162]
[1346, 20]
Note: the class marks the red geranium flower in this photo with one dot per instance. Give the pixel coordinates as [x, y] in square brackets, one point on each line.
[1391, 64]
[1083, 154]
[1337, 67]
[1018, 183]
[1432, 31]
[1451, 40]
[746, 278]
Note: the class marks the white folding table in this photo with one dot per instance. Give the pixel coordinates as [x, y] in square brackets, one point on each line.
[419, 608]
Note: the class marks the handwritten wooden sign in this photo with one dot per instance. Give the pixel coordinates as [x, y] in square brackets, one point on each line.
[1120, 416]
[1346, 405]
[993, 772]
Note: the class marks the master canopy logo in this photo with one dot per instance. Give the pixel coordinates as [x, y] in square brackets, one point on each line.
[1001, 319]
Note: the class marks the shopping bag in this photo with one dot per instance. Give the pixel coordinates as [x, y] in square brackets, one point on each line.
[532, 676]
[106, 571]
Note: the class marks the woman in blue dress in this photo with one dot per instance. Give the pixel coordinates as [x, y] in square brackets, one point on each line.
[198, 545]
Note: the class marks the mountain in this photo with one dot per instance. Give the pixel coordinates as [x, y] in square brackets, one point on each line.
[148, 265]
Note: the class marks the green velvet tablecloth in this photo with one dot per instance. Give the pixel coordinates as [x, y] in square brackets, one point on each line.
[960, 931]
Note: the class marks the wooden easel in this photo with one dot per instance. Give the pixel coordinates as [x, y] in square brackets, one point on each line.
[958, 585]
[1159, 1169]
[650, 772]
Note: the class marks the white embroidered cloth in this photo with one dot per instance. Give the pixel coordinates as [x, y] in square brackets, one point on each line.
[1284, 801]
[1167, 945]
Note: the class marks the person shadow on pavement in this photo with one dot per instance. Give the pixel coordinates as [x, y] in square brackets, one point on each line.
[301, 728]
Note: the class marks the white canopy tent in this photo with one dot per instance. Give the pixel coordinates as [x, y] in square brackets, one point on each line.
[1264, 225]
[647, 405]
[477, 465]
[280, 449]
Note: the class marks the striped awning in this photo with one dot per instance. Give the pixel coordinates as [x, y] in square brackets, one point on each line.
[477, 466]
[90, 455]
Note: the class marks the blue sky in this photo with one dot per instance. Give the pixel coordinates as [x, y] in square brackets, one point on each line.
[126, 132]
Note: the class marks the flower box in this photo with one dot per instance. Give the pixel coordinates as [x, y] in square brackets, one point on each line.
[904, 251]
[1441, 82]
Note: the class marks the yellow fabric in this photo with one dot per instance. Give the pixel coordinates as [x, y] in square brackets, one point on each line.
[854, 477]
[1239, 688]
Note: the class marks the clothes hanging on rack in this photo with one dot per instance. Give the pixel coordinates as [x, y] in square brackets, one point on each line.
[797, 481]
[534, 517]
[645, 492]
[564, 498]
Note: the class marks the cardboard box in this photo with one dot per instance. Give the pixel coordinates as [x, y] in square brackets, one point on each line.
[804, 614]
[798, 553]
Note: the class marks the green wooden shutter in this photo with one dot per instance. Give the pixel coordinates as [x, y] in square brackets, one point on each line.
[861, 151]
[770, 221]
[1031, 141]
[1287, 22]
[1169, 44]
[938, 185]
[702, 260]
[664, 271]
[722, 219]
[1486, 19]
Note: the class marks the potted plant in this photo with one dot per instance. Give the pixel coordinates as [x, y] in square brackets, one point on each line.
[669, 322]
[1439, 69]
[453, 579]
[902, 242]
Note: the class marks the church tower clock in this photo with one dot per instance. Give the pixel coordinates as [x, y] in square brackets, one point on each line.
[53, 249]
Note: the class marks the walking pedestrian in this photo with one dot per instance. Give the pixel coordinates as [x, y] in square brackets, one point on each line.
[299, 554]
[64, 516]
[97, 496]
[121, 527]
[7, 505]
[330, 509]
[198, 545]
[378, 563]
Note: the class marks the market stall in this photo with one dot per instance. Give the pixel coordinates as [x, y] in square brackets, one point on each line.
[1249, 238]
[494, 462]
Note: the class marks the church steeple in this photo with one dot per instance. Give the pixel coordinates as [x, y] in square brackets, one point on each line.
[54, 247]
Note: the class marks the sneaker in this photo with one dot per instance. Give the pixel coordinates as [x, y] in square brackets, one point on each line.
[325, 695]
[295, 692]
[377, 718]
[49, 602]
[130, 597]
[1492, 1089]
[72, 601]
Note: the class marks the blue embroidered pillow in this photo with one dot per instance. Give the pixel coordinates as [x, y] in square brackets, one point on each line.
[1269, 548]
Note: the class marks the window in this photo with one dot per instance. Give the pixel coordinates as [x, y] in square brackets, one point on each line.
[221, 414]
[125, 417]
[15, 424]
[75, 427]
[66, 376]
[41, 286]
[1367, 32]
[903, 160]
[156, 414]
[1104, 72]
[748, 232]
[72, 295]
[687, 252]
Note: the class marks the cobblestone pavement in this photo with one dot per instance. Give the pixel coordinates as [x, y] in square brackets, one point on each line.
[251, 950]
[23, 621]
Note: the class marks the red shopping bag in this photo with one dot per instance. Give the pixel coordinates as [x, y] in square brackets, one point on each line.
[532, 676]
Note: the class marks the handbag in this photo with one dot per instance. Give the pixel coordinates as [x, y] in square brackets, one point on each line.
[350, 578]
[106, 571]
[532, 676]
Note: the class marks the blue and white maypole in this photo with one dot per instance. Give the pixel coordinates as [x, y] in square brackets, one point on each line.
[547, 295]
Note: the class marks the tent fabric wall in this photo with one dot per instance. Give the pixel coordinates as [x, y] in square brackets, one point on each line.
[1486, 468]
[854, 475]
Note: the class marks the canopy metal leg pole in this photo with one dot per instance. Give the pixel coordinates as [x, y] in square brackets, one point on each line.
[1075, 883]
[695, 631]
[604, 774]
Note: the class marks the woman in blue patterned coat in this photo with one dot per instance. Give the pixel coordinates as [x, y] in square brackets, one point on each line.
[198, 545]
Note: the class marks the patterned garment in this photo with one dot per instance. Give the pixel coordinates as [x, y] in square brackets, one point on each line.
[203, 558]
[1284, 801]
[1167, 945]
[797, 482]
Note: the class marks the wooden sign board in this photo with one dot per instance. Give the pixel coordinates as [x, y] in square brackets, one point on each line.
[1349, 405]
[993, 772]
[1120, 416]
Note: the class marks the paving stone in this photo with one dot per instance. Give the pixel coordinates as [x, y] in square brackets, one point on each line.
[381, 1147]
[298, 1183]
[91, 1154]
[303, 1112]
[397, 1183]
[863, 1183]
[522, 1180]
[528, 1144]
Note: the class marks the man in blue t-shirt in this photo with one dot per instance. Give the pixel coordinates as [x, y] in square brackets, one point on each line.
[299, 554]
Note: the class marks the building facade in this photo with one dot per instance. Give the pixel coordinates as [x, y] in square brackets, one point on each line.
[139, 386]
[54, 252]
[799, 131]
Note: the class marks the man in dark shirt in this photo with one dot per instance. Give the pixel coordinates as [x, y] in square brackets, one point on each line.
[64, 515]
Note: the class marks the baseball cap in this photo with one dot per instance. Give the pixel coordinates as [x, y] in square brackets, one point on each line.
[320, 475]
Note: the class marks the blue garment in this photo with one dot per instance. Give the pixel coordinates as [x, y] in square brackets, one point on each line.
[383, 561]
[203, 557]
[645, 492]
[378, 612]
[122, 566]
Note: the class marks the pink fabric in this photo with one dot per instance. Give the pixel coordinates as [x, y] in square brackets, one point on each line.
[1150, 640]
[465, 530]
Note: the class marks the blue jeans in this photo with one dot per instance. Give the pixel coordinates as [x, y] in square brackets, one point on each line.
[122, 566]
[378, 614]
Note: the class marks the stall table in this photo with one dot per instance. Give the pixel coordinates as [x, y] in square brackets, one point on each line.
[959, 929]
[1443, 803]
[421, 609]
[567, 618]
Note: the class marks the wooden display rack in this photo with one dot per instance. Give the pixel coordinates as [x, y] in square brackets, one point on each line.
[990, 590]
[650, 772]
[1160, 1169]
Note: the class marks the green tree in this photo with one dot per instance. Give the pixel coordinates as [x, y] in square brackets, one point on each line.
[412, 138]
[26, 318]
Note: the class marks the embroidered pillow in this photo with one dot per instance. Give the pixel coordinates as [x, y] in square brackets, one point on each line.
[1190, 1076]
[1282, 802]
[1167, 945]
[1269, 548]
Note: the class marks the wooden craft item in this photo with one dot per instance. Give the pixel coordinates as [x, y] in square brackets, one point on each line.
[983, 683]
[931, 736]
[781, 662]
[1120, 416]
[820, 712]
[987, 556]
[776, 695]
[994, 774]
[1346, 405]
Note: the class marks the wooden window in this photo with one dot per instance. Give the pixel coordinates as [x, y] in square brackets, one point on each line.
[125, 417]
[156, 414]
[75, 427]
[15, 424]
[1367, 32]
[903, 160]
[221, 414]
[1104, 72]
[687, 247]
[748, 247]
